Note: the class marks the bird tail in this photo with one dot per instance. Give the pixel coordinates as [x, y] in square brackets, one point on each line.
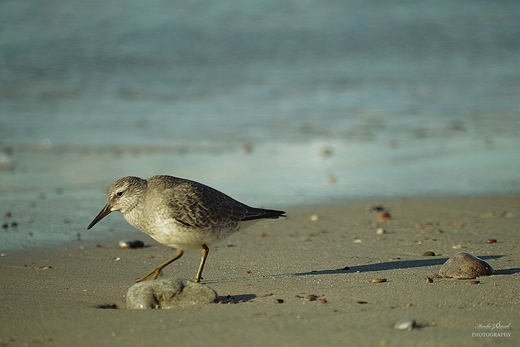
[259, 213]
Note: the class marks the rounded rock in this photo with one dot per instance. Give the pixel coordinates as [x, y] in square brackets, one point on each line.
[168, 294]
[464, 265]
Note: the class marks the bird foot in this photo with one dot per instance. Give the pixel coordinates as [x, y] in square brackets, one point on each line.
[152, 275]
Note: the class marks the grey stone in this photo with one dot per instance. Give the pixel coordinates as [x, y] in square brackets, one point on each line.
[464, 265]
[168, 294]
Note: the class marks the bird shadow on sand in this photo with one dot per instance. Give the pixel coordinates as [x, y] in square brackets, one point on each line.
[393, 265]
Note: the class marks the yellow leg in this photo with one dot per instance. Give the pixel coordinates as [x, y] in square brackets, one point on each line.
[205, 251]
[157, 271]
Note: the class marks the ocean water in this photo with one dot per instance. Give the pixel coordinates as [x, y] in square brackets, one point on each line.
[276, 103]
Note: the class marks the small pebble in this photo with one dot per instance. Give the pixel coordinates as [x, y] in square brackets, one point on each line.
[380, 231]
[5, 225]
[279, 301]
[7, 214]
[428, 280]
[375, 209]
[429, 254]
[315, 217]
[384, 216]
[491, 241]
[311, 297]
[125, 244]
[405, 324]
[474, 282]
[379, 280]
[362, 302]
[323, 301]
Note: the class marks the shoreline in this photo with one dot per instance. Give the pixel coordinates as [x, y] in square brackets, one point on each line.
[52, 296]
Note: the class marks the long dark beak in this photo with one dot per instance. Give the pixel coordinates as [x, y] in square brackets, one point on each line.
[104, 212]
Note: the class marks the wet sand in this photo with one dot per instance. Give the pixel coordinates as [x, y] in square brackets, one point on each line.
[53, 296]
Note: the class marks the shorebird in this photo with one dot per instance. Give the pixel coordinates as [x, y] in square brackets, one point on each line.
[180, 213]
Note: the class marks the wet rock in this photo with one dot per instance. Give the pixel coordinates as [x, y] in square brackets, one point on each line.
[168, 294]
[464, 265]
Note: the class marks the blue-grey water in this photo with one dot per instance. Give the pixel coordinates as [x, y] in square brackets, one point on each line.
[273, 102]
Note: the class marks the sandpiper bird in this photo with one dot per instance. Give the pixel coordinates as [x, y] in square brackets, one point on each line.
[180, 213]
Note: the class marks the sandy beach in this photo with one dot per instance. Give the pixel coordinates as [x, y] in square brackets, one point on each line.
[321, 109]
[303, 281]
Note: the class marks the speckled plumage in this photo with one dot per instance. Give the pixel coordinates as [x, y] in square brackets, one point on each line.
[180, 213]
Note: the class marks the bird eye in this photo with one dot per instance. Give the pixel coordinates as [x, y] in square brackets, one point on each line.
[119, 193]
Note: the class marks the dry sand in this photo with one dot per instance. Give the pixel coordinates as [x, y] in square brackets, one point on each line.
[52, 296]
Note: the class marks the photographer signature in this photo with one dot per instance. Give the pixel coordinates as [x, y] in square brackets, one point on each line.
[492, 326]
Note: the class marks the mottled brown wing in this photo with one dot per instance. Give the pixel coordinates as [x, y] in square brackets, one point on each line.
[201, 206]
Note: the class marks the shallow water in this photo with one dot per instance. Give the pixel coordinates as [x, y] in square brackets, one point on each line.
[275, 103]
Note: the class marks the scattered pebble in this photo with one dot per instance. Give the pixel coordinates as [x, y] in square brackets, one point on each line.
[428, 280]
[168, 294]
[5, 225]
[326, 151]
[429, 254]
[279, 301]
[311, 297]
[126, 244]
[323, 301]
[474, 282]
[382, 216]
[379, 280]
[464, 265]
[380, 231]
[315, 217]
[357, 241]
[362, 302]
[46, 267]
[7, 214]
[457, 247]
[405, 324]
[375, 209]
[491, 241]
